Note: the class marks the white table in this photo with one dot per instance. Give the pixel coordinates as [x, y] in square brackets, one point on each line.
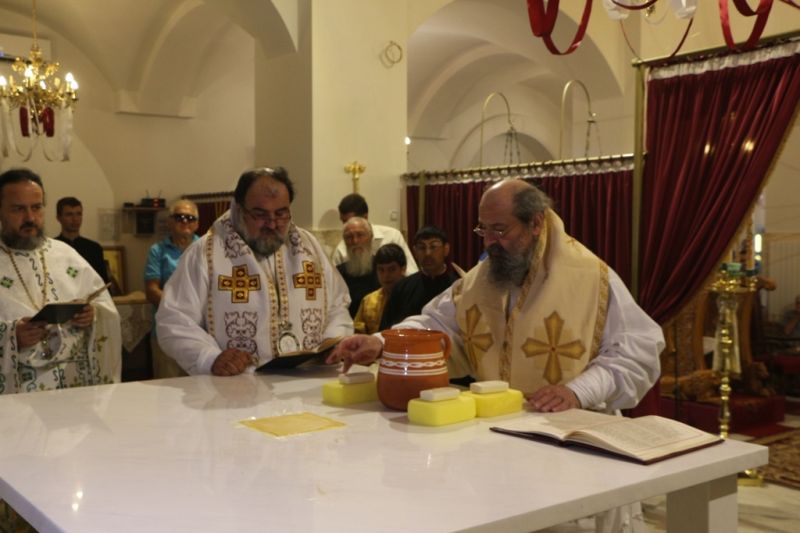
[169, 455]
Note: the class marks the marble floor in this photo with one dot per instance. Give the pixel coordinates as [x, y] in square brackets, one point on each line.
[769, 508]
[765, 509]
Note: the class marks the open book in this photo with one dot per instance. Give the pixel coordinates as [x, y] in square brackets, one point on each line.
[60, 312]
[646, 439]
[293, 359]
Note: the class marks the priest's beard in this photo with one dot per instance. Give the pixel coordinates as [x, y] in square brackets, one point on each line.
[359, 261]
[509, 268]
[18, 242]
[263, 244]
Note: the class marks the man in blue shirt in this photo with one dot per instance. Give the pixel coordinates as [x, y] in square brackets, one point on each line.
[161, 263]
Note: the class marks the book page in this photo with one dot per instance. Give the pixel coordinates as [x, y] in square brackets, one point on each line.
[559, 425]
[646, 437]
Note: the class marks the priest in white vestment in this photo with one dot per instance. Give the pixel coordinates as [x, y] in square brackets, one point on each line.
[35, 271]
[544, 314]
[255, 287]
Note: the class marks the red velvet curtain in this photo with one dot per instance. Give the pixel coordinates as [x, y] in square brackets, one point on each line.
[209, 211]
[596, 209]
[454, 208]
[711, 138]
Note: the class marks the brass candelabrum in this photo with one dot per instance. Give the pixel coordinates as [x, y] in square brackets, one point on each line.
[730, 283]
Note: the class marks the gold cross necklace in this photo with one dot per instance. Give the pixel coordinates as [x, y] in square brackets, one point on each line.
[22, 280]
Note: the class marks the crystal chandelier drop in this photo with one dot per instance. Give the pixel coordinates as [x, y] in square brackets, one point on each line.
[37, 107]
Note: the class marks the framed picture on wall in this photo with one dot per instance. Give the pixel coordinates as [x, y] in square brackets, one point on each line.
[115, 265]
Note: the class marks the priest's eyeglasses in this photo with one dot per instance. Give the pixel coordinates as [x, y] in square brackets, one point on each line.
[490, 232]
[183, 217]
[279, 216]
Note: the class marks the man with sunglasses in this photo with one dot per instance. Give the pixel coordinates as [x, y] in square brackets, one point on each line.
[161, 263]
[254, 288]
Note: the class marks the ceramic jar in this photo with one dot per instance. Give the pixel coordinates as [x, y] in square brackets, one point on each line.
[413, 360]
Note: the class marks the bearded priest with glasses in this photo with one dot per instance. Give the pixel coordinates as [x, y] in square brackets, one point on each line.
[254, 288]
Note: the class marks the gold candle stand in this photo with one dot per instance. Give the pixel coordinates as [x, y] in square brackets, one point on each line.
[729, 284]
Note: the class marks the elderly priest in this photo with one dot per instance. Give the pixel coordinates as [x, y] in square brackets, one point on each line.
[254, 287]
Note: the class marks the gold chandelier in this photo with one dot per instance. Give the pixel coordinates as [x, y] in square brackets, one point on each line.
[40, 105]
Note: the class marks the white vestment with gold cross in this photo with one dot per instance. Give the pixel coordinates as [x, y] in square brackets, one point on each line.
[224, 296]
[550, 329]
[74, 356]
[615, 376]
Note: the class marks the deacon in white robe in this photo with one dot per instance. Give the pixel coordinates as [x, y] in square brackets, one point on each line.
[253, 288]
[35, 271]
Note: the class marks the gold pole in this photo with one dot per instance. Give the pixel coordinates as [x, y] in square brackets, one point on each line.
[638, 177]
[474, 172]
[729, 284]
[591, 118]
[423, 181]
[483, 112]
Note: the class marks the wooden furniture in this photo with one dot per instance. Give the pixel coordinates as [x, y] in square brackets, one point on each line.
[170, 455]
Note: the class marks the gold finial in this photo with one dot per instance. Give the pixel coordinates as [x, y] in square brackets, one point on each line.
[355, 169]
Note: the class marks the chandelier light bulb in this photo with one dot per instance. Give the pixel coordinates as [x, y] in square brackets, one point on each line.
[3, 82]
[29, 71]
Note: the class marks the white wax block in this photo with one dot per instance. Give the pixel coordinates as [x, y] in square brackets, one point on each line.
[356, 377]
[439, 394]
[485, 387]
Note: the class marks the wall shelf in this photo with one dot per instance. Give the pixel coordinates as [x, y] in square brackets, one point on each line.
[142, 218]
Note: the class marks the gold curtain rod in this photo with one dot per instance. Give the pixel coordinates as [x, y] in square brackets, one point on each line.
[716, 51]
[518, 167]
[208, 195]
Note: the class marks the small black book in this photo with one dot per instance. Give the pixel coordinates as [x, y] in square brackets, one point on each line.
[293, 359]
[58, 313]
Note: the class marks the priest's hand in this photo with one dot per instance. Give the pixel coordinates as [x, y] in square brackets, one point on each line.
[553, 398]
[231, 362]
[85, 317]
[29, 333]
[356, 349]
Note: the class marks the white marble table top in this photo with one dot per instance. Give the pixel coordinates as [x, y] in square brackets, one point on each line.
[170, 455]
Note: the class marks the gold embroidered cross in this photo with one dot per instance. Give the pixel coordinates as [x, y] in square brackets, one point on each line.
[574, 349]
[239, 283]
[473, 342]
[309, 280]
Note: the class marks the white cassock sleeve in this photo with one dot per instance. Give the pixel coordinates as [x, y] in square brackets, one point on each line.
[180, 320]
[625, 368]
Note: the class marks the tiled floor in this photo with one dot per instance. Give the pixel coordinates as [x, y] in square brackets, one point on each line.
[761, 509]
[769, 508]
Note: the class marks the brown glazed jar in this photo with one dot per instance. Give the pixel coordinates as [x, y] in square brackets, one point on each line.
[413, 360]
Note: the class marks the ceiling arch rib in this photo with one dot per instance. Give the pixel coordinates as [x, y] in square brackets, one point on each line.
[164, 81]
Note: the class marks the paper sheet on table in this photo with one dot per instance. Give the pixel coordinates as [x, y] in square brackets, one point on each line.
[284, 425]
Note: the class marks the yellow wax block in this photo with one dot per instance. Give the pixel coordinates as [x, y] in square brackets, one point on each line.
[441, 413]
[496, 403]
[337, 393]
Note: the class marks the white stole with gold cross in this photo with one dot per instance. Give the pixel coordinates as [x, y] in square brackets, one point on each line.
[250, 297]
[555, 325]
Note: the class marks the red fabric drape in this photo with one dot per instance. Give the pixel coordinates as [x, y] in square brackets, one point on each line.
[711, 138]
[454, 208]
[596, 209]
[209, 211]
